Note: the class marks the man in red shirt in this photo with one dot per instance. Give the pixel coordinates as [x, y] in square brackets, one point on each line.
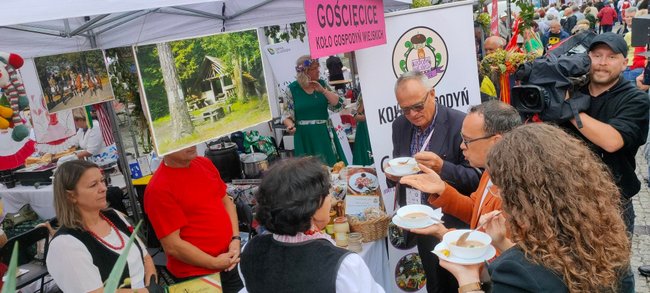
[194, 219]
[607, 16]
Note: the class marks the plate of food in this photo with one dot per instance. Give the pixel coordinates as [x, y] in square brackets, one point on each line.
[363, 182]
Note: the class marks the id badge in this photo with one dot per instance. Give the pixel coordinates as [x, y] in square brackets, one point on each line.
[413, 196]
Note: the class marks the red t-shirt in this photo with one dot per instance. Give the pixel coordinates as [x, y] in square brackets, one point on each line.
[189, 200]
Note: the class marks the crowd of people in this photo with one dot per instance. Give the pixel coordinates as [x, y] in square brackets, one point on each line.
[69, 84]
[554, 198]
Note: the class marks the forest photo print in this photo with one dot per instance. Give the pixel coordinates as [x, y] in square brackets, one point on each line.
[202, 88]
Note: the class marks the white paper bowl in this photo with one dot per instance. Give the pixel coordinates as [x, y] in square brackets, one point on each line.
[467, 252]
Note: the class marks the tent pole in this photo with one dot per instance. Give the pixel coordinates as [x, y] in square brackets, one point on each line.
[199, 12]
[87, 24]
[33, 30]
[249, 9]
[126, 171]
[114, 19]
[125, 20]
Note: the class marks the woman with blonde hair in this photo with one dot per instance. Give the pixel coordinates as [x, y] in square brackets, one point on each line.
[91, 238]
[561, 209]
[305, 115]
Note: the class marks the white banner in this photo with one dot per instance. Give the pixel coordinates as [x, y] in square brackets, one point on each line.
[340, 134]
[47, 127]
[438, 41]
[282, 57]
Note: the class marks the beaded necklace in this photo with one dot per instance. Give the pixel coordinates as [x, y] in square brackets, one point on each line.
[114, 247]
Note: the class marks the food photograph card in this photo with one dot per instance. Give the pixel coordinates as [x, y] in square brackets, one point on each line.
[362, 190]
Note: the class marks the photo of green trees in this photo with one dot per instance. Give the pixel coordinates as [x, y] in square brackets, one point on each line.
[202, 88]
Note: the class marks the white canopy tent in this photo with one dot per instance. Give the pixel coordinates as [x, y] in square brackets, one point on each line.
[40, 28]
[37, 28]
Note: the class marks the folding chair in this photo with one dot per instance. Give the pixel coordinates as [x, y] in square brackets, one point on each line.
[26, 256]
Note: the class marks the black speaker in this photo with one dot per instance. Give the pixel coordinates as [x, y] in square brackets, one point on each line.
[640, 31]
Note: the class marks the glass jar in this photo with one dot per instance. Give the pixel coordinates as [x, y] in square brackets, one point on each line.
[341, 225]
[341, 239]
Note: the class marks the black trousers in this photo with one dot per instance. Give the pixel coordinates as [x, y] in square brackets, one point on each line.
[439, 280]
[230, 281]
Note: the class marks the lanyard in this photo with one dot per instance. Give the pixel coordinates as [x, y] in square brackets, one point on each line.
[426, 142]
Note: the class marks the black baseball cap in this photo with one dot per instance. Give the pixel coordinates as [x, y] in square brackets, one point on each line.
[612, 40]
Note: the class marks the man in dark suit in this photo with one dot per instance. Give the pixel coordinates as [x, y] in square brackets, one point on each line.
[426, 125]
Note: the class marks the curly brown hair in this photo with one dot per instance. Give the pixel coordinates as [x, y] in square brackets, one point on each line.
[562, 206]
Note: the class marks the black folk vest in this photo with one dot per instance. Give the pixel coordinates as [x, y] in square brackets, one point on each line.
[272, 266]
[103, 257]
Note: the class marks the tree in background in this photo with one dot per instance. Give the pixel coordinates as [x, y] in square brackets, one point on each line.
[180, 117]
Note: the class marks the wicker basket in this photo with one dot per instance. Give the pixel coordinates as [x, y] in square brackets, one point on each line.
[371, 230]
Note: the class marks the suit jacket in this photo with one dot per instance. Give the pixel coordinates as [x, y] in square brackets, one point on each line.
[445, 142]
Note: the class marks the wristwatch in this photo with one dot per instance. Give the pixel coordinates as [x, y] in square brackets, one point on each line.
[235, 237]
[471, 287]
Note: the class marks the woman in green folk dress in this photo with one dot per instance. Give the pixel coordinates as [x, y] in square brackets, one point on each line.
[305, 113]
[362, 154]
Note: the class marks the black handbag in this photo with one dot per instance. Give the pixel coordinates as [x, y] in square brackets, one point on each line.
[24, 214]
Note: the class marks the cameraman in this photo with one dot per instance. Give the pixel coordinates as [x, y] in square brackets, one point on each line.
[616, 123]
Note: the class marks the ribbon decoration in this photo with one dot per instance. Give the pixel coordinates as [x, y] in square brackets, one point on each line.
[494, 25]
[504, 84]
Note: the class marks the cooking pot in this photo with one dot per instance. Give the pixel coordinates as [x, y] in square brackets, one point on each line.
[254, 164]
[225, 158]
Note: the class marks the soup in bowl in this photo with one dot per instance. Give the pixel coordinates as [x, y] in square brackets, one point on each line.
[416, 214]
[476, 245]
[403, 165]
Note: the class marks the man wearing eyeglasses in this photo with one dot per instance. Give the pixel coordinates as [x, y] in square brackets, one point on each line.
[482, 128]
[430, 133]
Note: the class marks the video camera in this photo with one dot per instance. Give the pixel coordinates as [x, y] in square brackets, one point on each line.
[549, 84]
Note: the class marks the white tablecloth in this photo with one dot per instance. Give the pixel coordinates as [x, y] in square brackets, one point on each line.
[41, 200]
[376, 257]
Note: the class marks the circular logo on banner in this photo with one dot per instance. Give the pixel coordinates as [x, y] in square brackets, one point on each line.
[421, 49]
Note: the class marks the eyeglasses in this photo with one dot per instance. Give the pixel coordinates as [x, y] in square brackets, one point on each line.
[471, 140]
[418, 107]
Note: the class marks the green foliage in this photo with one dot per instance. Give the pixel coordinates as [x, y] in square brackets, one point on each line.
[484, 20]
[152, 80]
[4, 101]
[526, 14]
[125, 87]
[116, 273]
[10, 285]
[292, 31]
[421, 3]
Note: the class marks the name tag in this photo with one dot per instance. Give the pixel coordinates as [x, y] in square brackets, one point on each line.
[413, 196]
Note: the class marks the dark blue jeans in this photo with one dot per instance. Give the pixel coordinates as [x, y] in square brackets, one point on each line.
[627, 281]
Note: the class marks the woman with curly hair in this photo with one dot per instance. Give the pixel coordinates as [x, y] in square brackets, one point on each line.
[561, 210]
[293, 203]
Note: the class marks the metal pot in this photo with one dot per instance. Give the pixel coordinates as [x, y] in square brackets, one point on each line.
[254, 164]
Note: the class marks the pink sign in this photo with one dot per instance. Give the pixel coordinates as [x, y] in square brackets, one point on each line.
[344, 25]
